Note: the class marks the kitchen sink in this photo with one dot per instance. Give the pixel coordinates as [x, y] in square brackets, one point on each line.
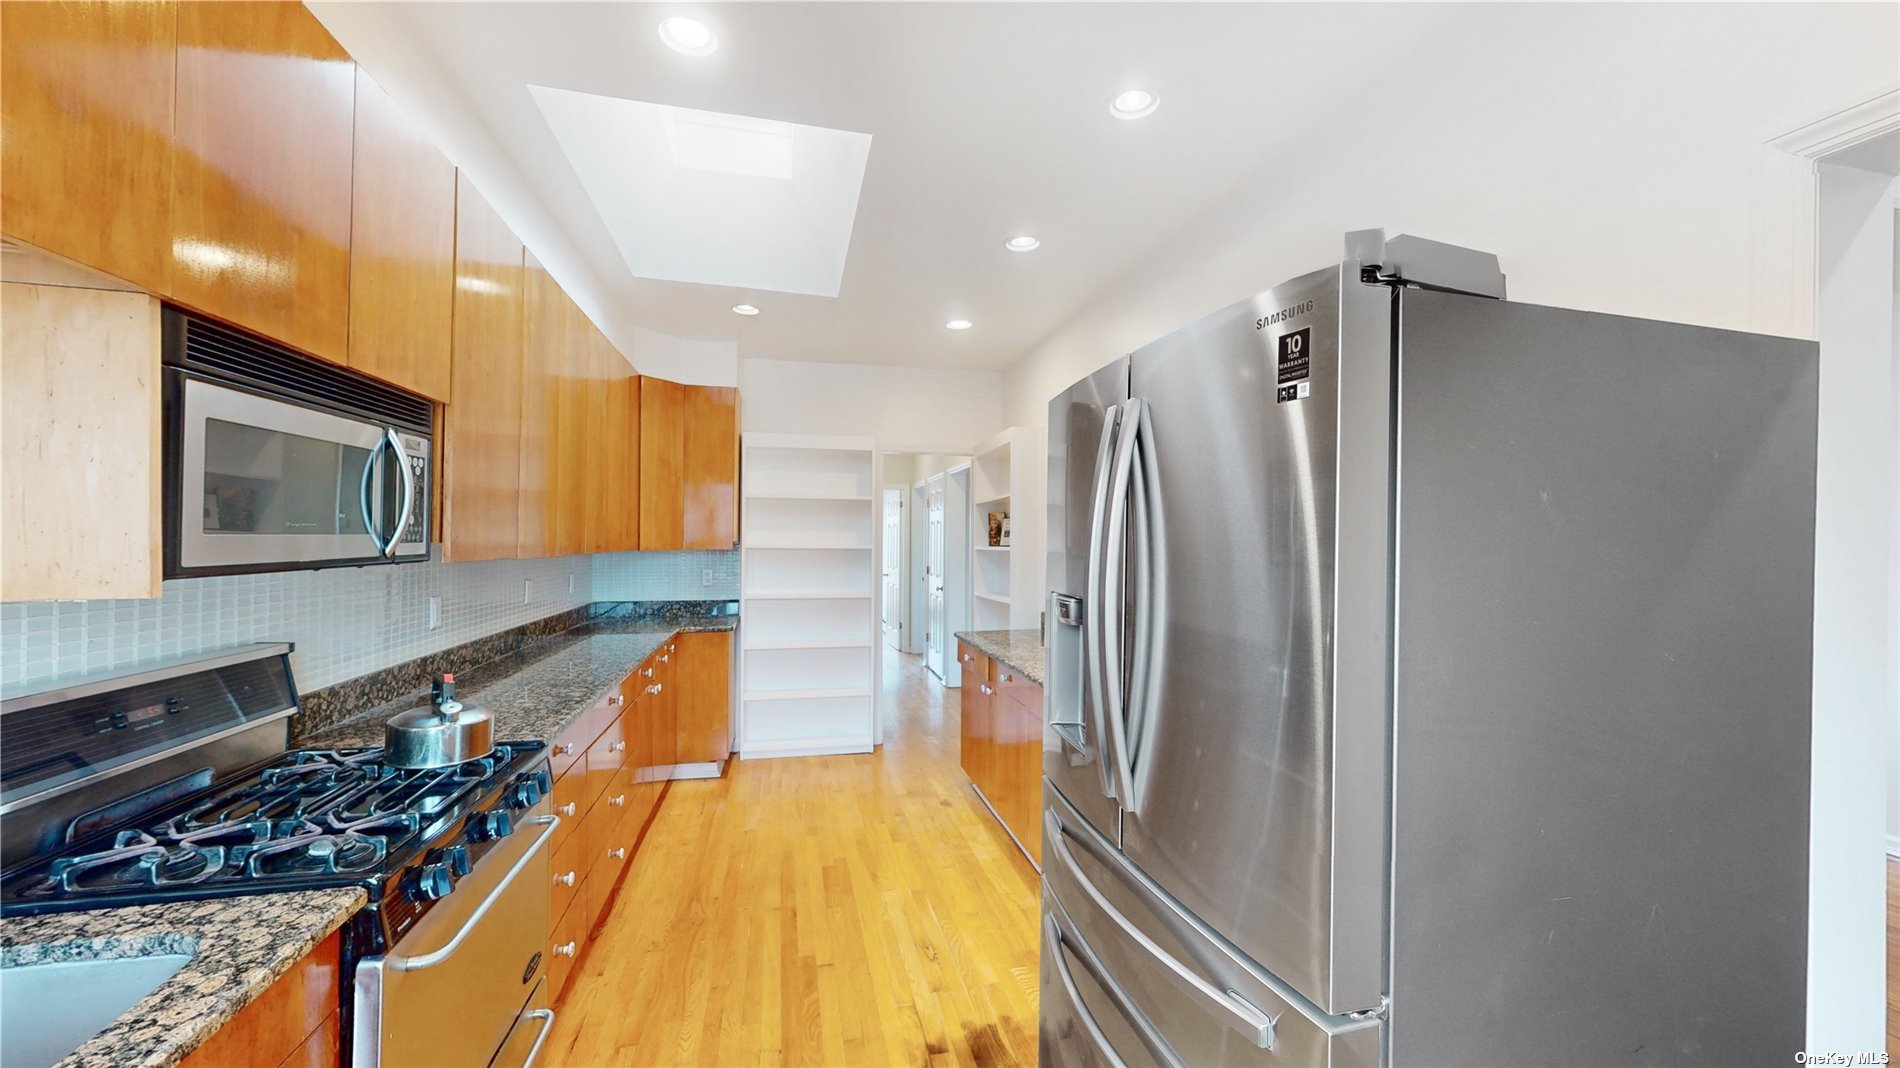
[49, 1010]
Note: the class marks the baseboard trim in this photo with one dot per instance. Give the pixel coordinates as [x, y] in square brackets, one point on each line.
[1893, 845]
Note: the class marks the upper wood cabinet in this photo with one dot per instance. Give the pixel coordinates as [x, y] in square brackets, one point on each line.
[79, 445]
[481, 465]
[572, 444]
[260, 207]
[402, 248]
[710, 486]
[544, 359]
[86, 96]
[689, 466]
[662, 464]
[620, 454]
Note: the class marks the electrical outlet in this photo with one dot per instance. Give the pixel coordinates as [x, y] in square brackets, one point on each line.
[706, 577]
[435, 612]
[527, 591]
[570, 583]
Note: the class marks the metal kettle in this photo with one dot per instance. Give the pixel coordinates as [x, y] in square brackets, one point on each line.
[439, 734]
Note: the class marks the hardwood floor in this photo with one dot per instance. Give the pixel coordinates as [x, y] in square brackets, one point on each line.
[1893, 955]
[852, 910]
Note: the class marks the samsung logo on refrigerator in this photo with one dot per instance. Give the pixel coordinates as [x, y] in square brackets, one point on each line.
[1283, 315]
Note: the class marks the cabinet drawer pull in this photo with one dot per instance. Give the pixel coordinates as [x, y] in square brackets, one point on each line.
[656, 687]
[565, 950]
[614, 698]
[1007, 677]
[616, 747]
[618, 852]
[666, 660]
[648, 672]
[566, 879]
[985, 688]
[566, 810]
[966, 658]
[618, 800]
[564, 748]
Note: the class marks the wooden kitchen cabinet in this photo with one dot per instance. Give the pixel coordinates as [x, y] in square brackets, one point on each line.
[79, 446]
[261, 179]
[1001, 739]
[294, 1022]
[613, 488]
[710, 480]
[481, 466]
[572, 432]
[662, 464]
[704, 719]
[544, 358]
[689, 466]
[86, 98]
[402, 248]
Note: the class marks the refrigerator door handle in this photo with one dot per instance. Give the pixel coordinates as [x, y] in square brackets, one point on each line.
[1052, 948]
[1225, 1005]
[1149, 539]
[1097, 676]
[1114, 650]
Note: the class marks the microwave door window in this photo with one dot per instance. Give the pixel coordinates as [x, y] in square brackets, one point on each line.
[267, 482]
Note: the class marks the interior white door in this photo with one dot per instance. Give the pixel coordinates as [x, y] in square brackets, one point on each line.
[935, 645]
[893, 613]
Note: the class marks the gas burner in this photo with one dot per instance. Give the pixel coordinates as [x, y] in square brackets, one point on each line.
[319, 853]
[136, 860]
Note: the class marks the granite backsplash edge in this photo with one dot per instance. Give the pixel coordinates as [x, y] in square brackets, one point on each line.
[324, 708]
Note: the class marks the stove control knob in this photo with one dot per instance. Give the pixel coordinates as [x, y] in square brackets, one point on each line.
[526, 792]
[490, 826]
[456, 857]
[544, 780]
[434, 882]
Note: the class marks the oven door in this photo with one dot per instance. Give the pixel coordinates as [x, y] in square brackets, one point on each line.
[457, 985]
[261, 484]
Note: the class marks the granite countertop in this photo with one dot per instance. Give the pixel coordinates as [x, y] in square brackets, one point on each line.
[1020, 649]
[535, 693]
[239, 946]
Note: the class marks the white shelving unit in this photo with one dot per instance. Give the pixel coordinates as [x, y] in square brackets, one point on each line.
[1006, 581]
[808, 575]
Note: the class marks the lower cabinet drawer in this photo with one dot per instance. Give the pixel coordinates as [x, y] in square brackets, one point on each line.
[567, 872]
[564, 945]
[570, 803]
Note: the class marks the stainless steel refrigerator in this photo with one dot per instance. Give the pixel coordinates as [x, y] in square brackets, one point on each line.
[1428, 684]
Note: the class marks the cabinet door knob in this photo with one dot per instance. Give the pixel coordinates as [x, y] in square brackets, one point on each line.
[566, 879]
[566, 950]
[564, 748]
[1007, 677]
[618, 800]
[656, 687]
[666, 659]
[618, 853]
[616, 747]
[614, 699]
[568, 811]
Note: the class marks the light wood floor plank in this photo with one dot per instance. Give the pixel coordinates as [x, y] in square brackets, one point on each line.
[852, 910]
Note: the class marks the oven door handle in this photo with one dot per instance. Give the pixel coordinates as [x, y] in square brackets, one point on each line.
[400, 963]
[408, 494]
[369, 469]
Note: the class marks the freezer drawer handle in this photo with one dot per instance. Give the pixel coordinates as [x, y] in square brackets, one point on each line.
[546, 1017]
[1228, 1006]
[1052, 948]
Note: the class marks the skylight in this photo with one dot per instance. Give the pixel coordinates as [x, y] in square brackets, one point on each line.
[703, 196]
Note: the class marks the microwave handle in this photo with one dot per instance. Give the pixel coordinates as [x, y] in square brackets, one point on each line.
[408, 494]
[369, 468]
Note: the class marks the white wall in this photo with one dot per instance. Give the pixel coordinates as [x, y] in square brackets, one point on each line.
[905, 408]
[1854, 540]
[1613, 156]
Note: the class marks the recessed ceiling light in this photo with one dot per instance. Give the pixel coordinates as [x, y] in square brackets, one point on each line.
[745, 309]
[689, 37]
[957, 324]
[1133, 104]
[1022, 243]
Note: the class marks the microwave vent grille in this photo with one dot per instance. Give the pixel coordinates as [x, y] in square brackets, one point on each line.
[233, 354]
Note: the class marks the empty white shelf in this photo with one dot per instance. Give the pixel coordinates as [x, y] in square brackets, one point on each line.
[844, 643]
[992, 597]
[797, 695]
[807, 595]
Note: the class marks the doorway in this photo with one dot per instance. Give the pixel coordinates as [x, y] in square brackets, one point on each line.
[925, 566]
[892, 578]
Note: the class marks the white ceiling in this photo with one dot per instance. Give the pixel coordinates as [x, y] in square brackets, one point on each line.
[986, 120]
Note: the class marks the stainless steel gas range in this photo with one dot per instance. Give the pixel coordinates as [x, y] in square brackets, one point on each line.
[175, 782]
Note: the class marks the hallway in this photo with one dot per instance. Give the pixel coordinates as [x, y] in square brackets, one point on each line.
[848, 910]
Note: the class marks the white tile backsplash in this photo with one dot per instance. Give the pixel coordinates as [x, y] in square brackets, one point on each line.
[666, 576]
[345, 621]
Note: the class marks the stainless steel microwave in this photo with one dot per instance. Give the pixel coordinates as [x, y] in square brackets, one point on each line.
[278, 462]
